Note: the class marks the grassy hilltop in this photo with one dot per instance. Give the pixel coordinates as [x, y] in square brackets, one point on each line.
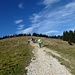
[16, 53]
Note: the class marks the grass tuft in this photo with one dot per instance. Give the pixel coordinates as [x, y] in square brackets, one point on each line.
[15, 55]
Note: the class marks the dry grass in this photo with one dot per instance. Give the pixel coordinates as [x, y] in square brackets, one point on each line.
[15, 55]
[64, 49]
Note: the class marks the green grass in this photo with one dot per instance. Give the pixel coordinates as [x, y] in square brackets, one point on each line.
[65, 50]
[15, 55]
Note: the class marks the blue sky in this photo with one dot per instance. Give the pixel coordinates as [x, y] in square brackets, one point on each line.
[50, 17]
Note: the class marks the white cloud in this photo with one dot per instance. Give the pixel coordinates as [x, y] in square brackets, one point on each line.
[27, 30]
[52, 31]
[55, 21]
[66, 14]
[18, 21]
[35, 18]
[20, 27]
[52, 22]
[21, 5]
[70, 5]
[48, 3]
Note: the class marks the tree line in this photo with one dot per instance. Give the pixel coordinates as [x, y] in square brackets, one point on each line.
[67, 36]
[14, 35]
[34, 34]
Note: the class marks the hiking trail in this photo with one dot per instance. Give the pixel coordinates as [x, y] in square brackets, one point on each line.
[44, 64]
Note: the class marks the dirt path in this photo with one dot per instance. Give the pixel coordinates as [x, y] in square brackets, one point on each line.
[44, 64]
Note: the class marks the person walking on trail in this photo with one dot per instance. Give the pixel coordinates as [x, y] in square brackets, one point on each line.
[40, 42]
[28, 40]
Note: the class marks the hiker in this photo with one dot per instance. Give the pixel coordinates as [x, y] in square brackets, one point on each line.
[33, 40]
[28, 40]
[40, 42]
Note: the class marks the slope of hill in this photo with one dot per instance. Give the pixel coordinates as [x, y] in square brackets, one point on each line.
[15, 54]
[66, 51]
